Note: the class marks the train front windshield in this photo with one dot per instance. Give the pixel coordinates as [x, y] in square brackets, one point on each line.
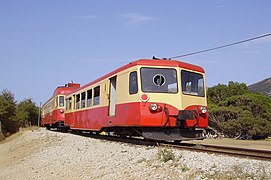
[163, 80]
[192, 83]
[159, 80]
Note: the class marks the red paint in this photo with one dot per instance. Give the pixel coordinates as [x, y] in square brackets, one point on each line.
[53, 117]
[128, 115]
[203, 118]
[56, 116]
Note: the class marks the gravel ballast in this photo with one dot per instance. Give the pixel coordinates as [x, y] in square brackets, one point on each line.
[43, 154]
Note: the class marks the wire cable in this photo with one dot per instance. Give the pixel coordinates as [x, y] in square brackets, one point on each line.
[219, 47]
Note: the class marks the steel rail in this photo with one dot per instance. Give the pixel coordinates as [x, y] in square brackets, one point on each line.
[233, 151]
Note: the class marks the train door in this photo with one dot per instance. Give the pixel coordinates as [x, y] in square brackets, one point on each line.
[112, 96]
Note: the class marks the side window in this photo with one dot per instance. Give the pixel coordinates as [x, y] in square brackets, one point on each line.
[83, 99]
[61, 101]
[68, 103]
[73, 99]
[89, 98]
[133, 86]
[77, 101]
[56, 101]
[96, 96]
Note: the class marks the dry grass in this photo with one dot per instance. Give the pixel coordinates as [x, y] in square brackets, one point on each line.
[253, 144]
[15, 135]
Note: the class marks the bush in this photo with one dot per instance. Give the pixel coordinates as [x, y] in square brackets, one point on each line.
[238, 113]
[165, 155]
[10, 127]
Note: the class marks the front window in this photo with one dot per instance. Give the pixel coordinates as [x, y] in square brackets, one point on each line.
[192, 83]
[61, 101]
[159, 80]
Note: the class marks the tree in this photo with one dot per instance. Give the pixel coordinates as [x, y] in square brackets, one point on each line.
[7, 105]
[7, 112]
[236, 112]
[27, 112]
[221, 92]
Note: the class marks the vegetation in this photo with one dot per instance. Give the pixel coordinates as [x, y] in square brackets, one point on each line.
[238, 113]
[165, 155]
[13, 115]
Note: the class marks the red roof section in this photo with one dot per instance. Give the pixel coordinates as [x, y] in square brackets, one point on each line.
[63, 90]
[146, 62]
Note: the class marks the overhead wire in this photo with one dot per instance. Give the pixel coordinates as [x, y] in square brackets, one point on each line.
[223, 46]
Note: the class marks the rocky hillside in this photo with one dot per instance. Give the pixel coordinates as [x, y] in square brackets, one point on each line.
[262, 87]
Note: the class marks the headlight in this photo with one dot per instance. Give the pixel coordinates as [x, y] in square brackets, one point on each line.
[203, 109]
[153, 107]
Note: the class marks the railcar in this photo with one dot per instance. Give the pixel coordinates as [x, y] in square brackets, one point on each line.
[53, 110]
[155, 99]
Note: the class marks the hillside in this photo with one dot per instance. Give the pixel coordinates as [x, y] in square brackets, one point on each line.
[262, 87]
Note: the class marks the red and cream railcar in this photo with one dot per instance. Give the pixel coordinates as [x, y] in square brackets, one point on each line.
[53, 110]
[156, 99]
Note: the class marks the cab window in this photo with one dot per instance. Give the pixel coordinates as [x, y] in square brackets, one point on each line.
[159, 80]
[133, 86]
[192, 83]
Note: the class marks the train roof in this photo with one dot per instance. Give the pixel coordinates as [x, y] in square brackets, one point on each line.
[64, 90]
[146, 62]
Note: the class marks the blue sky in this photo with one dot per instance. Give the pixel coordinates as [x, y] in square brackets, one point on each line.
[45, 44]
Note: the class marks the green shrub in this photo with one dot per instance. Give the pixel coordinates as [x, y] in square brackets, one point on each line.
[165, 155]
[238, 113]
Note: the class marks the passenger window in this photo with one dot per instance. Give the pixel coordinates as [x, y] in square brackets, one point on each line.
[96, 96]
[83, 99]
[73, 100]
[68, 103]
[133, 86]
[89, 98]
[77, 104]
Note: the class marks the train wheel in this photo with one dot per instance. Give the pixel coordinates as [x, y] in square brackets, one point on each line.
[177, 141]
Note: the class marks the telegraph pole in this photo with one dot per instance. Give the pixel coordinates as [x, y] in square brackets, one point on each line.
[0, 128]
[39, 115]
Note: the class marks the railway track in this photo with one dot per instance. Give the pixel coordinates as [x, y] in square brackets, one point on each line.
[232, 151]
[226, 150]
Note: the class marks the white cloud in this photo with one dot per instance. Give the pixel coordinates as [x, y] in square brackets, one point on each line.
[85, 17]
[136, 19]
